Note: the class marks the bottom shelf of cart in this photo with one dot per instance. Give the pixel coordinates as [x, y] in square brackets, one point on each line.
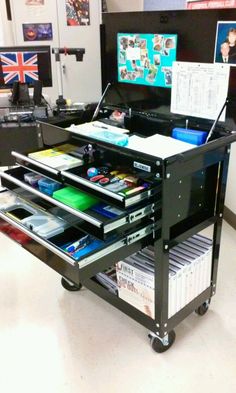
[140, 317]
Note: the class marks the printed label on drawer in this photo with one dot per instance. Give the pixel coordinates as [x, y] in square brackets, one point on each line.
[141, 166]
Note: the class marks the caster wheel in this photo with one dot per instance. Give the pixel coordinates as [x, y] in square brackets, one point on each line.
[69, 286]
[159, 345]
[201, 310]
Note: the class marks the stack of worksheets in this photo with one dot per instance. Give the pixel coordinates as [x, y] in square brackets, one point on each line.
[189, 275]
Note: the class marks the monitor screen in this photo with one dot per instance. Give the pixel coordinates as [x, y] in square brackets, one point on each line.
[25, 64]
[146, 59]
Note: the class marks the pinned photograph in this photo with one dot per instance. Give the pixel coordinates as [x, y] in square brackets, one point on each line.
[152, 73]
[122, 59]
[168, 75]
[169, 43]
[131, 43]
[124, 42]
[157, 42]
[37, 31]
[143, 55]
[225, 44]
[77, 12]
[157, 59]
[143, 44]
[139, 72]
[123, 72]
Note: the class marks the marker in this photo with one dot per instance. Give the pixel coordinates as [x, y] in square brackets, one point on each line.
[98, 126]
[81, 242]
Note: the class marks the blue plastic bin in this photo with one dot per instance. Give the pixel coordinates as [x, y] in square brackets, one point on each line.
[48, 186]
[194, 137]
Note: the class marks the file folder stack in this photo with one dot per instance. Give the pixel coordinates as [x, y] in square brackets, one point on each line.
[189, 275]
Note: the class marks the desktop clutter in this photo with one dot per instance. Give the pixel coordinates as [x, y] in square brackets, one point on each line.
[181, 139]
[119, 180]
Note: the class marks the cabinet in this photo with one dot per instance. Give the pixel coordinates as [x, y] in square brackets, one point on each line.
[183, 194]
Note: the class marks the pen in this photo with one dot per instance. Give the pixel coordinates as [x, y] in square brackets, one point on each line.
[81, 242]
[98, 126]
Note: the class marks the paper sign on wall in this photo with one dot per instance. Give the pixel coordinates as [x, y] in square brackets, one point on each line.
[199, 89]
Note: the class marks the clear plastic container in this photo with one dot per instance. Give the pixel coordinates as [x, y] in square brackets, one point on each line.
[45, 225]
[111, 137]
[32, 178]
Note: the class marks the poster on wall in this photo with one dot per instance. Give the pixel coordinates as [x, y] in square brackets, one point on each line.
[225, 44]
[77, 13]
[204, 4]
[34, 2]
[37, 31]
[146, 59]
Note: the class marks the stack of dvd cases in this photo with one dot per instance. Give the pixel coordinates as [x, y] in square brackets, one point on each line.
[189, 275]
[108, 280]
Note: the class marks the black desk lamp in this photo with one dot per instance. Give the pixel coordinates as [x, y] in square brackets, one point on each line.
[79, 53]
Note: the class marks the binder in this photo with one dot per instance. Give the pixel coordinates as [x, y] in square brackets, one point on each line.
[205, 245]
[197, 256]
[185, 263]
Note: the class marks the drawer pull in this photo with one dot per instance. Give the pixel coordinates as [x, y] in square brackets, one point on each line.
[91, 185]
[35, 163]
[39, 240]
[76, 213]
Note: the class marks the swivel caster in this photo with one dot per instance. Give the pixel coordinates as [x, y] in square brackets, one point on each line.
[201, 310]
[162, 344]
[69, 286]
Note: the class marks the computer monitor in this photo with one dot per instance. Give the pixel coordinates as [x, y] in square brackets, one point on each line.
[25, 64]
[22, 67]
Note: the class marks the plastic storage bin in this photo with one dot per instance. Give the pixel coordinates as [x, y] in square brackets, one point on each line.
[32, 178]
[75, 198]
[111, 137]
[48, 186]
[195, 137]
[45, 225]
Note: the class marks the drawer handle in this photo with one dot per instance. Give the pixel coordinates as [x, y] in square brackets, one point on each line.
[76, 213]
[35, 163]
[91, 185]
[38, 239]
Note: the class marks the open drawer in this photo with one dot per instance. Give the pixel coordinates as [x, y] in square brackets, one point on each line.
[89, 257]
[99, 220]
[112, 193]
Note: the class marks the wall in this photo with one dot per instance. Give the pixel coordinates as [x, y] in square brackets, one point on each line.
[150, 5]
[81, 81]
[6, 26]
[230, 201]
[124, 5]
[21, 13]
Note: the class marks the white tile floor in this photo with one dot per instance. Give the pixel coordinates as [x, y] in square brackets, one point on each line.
[54, 341]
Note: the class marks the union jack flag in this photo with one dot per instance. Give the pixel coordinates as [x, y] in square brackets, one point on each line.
[19, 67]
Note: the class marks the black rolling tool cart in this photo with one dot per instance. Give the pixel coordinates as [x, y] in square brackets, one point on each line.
[175, 199]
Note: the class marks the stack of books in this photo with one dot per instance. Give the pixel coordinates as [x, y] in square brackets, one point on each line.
[189, 275]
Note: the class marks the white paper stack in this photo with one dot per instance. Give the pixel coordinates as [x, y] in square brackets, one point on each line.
[189, 275]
